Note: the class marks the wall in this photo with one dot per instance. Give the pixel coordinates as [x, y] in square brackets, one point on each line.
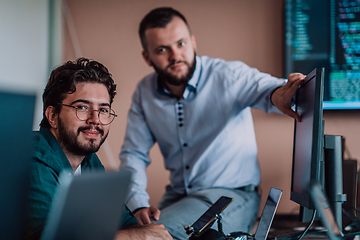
[250, 31]
[26, 51]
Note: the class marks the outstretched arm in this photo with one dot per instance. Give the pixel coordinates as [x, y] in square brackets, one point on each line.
[282, 96]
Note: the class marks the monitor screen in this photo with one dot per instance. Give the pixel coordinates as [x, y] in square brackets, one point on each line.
[308, 138]
[326, 33]
[17, 111]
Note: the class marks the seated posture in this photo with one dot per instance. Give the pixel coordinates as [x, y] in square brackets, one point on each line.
[197, 109]
[76, 119]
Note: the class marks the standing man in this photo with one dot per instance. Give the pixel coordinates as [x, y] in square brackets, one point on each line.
[76, 120]
[197, 109]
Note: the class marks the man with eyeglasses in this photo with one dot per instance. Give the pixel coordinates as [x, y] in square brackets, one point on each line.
[76, 119]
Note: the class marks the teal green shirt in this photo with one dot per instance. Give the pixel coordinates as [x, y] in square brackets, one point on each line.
[49, 161]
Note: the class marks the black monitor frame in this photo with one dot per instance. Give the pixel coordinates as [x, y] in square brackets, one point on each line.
[308, 138]
[316, 157]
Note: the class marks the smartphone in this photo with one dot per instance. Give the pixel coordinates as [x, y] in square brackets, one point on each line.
[209, 217]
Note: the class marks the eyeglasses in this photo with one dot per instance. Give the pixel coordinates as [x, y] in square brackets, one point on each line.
[84, 111]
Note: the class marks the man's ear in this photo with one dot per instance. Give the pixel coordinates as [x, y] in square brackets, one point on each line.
[193, 41]
[146, 58]
[52, 117]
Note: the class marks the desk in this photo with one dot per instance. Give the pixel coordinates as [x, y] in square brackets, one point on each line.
[287, 227]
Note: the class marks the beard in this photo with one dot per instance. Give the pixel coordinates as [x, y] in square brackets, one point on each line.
[166, 77]
[69, 140]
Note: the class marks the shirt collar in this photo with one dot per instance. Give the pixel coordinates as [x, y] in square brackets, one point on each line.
[50, 138]
[194, 81]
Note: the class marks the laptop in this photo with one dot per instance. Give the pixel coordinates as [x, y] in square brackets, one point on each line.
[322, 206]
[267, 216]
[88, 206]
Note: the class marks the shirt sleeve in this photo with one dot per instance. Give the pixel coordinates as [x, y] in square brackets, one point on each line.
[251, 87]
[134, 154]
[127, 218]
[43, 184]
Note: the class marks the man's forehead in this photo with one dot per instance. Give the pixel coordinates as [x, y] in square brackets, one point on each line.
[176, 29]
[94, 93]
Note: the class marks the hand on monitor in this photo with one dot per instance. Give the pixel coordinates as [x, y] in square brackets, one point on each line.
[143, 215]
[282, 96]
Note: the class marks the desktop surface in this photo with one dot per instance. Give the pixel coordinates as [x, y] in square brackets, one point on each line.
[288, 227]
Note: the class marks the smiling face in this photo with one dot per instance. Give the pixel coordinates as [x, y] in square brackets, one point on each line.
[77, 137]
[171, 51]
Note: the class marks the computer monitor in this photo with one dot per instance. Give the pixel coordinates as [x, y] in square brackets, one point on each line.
[316, 157]
[17, 111]
[325, 33]
[308, 138]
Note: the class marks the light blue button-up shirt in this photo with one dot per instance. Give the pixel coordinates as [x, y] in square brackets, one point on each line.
[207, 138]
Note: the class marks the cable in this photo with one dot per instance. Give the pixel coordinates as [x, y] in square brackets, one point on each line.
[308, 227]
[354, 219]
[189, 236]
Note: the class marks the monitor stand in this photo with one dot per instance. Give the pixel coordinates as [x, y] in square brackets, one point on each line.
[333, 183]
[334, 175]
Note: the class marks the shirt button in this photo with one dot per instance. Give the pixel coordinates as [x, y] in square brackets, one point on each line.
[180, 119]
[180, 113]
[185, 144]
[180, 125]
[189, 186]
[187, 167]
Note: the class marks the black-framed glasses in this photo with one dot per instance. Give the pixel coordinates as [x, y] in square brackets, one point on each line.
[84, 111]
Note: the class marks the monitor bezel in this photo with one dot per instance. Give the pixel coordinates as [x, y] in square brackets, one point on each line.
[303, 198]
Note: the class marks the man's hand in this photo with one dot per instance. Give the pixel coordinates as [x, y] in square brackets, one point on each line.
[282, 96]
[143, 215]
[150, 231]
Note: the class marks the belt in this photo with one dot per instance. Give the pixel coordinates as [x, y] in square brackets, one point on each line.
[249, 188]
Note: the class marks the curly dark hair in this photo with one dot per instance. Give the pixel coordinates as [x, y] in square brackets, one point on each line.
[158, 18]
[64, 78]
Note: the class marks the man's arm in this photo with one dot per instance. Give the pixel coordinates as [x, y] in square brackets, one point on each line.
[150, 231]
[144, 214]
[42, 189]
[134, 157]
[248, 86]
[281, 97]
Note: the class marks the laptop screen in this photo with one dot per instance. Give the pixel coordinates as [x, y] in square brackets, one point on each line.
[268, 214]
[87, 207]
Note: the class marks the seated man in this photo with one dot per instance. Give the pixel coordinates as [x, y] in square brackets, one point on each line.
[76, 119]
[198, 110]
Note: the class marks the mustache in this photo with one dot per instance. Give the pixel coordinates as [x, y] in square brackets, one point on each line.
[173, 63]
[90, 128]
